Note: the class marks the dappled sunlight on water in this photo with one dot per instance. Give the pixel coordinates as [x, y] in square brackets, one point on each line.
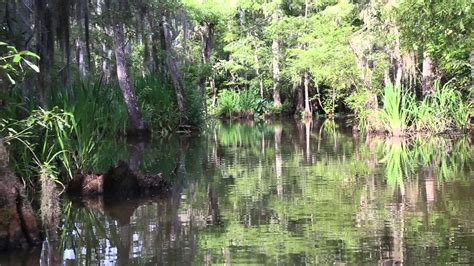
[286, 193]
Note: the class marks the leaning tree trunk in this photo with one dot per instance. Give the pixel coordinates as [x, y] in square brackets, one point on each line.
[207, 36]
[173, 67]
[427, 75]
[18, 225]
[135, 120]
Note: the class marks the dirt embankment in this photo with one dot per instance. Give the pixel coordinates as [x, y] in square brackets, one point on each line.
[19, 226]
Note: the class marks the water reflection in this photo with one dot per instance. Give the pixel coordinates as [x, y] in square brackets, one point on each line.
[286, 193]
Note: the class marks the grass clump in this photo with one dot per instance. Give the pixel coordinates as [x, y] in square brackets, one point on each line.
[395, 114]
[401, 114]
[238, 104]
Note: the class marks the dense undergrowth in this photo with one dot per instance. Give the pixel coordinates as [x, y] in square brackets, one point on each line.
[81, 131]
[402, 114]
[246, 104]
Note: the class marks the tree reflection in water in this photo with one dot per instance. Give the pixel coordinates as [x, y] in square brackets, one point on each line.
[288, 194]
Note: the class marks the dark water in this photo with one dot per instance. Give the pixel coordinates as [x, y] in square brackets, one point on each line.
[281, 193]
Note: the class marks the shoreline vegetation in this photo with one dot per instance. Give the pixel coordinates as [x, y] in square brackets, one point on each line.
[78, 76]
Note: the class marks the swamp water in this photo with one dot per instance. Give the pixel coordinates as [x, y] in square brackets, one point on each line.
[279, 193]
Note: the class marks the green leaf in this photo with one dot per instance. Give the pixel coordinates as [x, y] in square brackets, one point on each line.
[11, 79]
[29, 53]
[16, 58]
[32, 66]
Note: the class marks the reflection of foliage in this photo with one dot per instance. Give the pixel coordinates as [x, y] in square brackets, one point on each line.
[314, 214]
[403, 157]
[396, 162]
[283, 201]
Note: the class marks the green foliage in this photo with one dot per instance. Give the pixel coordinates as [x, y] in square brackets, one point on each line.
[244, 103]
[395, 114]
[158, 104]
[12, 62]
[442, 111]
[44, 139]
[441, 29]
[284, 108]
[358, 103]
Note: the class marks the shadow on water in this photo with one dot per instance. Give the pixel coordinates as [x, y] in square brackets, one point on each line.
[283, 193]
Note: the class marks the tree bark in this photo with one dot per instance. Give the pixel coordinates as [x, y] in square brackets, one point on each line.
[106, 62]
[135, 120]
[276, 65]
[81, 44]
[299, 99]
[307, 109]
[173, 68]
[156, 65]
[207, 37]
[276, 73]
[214, 92]
[257, 71]
[427, 75]
[142, 36]
[471, 59]
[45, 39]
[19, 17]
[62, 31]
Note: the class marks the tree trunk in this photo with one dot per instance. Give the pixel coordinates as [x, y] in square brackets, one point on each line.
[207, 37]
[20, 21]
[45, 39]
[106, 62]
[142, 36]
[214, 92]
[276, 73]
[135, 120]
[427, 75]
[299, 99]
[63, 29]
[81, 46]
[257, 71]
[156, 65]
[307, 109]
[185, 22]
[471, 57]
[386, 77]
[173, 68]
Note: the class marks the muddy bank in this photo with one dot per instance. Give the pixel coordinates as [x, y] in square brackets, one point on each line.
[19, 226]
[119, 182]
